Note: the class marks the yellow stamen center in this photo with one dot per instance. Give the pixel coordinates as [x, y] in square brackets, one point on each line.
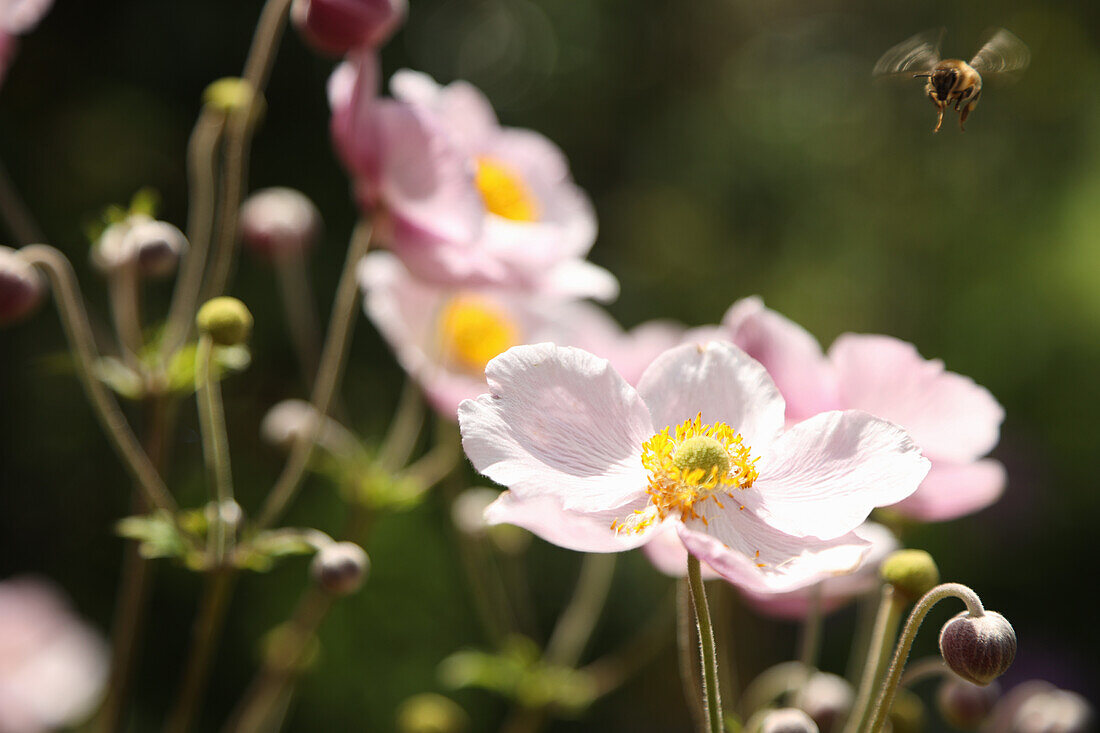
[689, 464]
[504, 192]
[473, 330]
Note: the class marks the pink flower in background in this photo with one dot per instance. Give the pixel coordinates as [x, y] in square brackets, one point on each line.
[339, 26]
[17, 17]
[952, 419]
[53, 666]
[444, 337]
[462, 200]
[698, 447]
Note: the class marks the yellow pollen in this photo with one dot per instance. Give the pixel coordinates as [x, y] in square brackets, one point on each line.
[504, 192]
[688, 464]
[473, 330]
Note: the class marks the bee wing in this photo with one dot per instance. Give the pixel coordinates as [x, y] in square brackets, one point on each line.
[916, 54]
[1002, 53]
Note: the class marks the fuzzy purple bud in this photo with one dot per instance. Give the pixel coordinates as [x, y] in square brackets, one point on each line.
[965, 705]
[279, 221]
[21, 287]
[338, 26]
[978, 648]
[157, 246]
[827, 698]
[340, 568]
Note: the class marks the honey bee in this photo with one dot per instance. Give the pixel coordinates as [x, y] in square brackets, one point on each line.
[953, 80]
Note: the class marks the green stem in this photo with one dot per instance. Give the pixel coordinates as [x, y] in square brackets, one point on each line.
[882, 641]
[202, 151]
[708, 655]
[301, 313]
[909, 633]
[575, 625]
[238, 139]
[404, 428]
[122, 290]
[331, 369]
[74, 319]
[215, 444]
[204, 640]
[685, 648]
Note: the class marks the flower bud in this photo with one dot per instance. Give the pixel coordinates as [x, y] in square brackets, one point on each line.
[279, 221]
[827, 698]
[336, 27]
[157, 246]
[978, 648]
[431, 713]
[965, 705]
[912, 573]
[229, 94]
[786, 720]
[1040, 707]
[287, 421]
[21, 287]
[227, 321]
[340, 568]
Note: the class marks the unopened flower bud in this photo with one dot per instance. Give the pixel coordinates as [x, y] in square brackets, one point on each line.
[287, 421]
[912, 573]
[340, 568]
[431, 713]
[111, 252]
[1039, 707]
[21, 287]
[156, 245]
[786, 720]
[227, 321]
[338, 26]
[965, 705]
[978, 648]
[907, 713]
[229, 94]
[827, 698]
[279, 221]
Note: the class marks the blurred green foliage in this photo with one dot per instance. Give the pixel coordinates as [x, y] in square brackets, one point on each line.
[732, 147]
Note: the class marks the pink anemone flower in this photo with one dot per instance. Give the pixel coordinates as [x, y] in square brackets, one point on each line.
[17, 17]
[444, 336]
[461, 199]
[699, 447]
[952, 419]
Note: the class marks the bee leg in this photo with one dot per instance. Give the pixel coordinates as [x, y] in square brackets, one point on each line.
[964, 115]
[940, 106]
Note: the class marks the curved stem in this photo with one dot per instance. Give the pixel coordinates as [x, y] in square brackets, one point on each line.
[238, 139]
[202, 151]
[204, 640]
[882, 640]
[215, 445]
[404, 428]
[933, 666]
[122, 290]
[575, 625]
[708, 655]
[74, 319]
[909, 633]
[770, 685]
[333, 358]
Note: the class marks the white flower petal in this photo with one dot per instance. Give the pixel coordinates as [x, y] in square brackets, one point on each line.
[558, 422]
[824, 476]
[953, 490]
[581, 531]
[722, 382]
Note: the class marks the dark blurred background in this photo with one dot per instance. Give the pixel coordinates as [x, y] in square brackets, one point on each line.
[732, 147]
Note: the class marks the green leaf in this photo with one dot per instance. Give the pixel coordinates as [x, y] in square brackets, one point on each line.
[156, 534]
[227, 360]
[265, 548]
[120, 378]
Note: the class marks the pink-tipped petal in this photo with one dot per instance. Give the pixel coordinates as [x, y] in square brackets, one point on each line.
[790, 354]
[558, 422]
[756, 557]
[949, 416]
[823, 477]
[580, 531]
[836, 591]
[20, 16]
[666, 551]
[720, 381]
[954, 490]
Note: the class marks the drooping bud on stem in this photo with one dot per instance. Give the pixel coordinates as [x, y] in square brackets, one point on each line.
[965, 705]
[227, 321]
[276, 222]
[338, 26]
[157, 245]
[978, 648]
[21, 288]
[340, 568]
[827, 698]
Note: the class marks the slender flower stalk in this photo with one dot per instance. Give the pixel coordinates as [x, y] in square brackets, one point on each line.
[909, 633]
[810, 646]
[238, 140]
[124, 294]
[575, 625]
[74, 319]
[202, 178]
[331, 369]
[301, 312]
[882, 641]
[685, 643]
[215, 443]
[708, 654]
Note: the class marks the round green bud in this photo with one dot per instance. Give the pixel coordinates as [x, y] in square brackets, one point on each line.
[226, 320]
[978, 648]
[702, 452]
[230, 94]
[431, 713]
[912, 573]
